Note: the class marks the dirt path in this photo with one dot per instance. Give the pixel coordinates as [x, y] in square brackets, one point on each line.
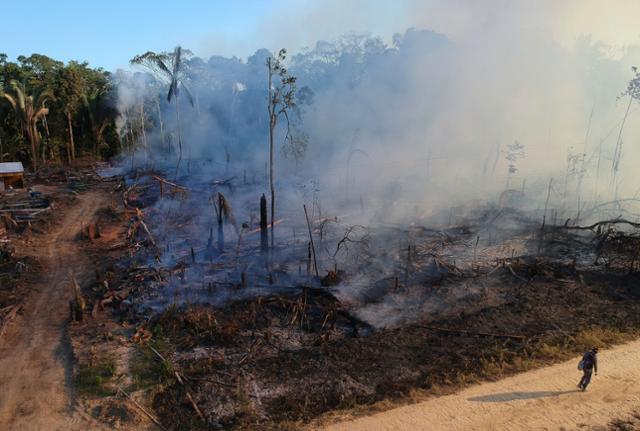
[36, 363]
[544, 399]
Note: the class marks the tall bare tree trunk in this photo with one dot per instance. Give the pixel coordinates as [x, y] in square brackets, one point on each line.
[271, 183]
[179, 138]
[71, 149]
[132, 144]
[144, 132]
[272, 125]
[617, 154]
[161, 123]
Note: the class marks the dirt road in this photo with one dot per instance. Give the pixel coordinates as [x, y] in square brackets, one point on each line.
[544, 399]
[36, 364]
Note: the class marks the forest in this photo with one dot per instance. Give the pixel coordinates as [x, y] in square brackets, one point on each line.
[55, 112]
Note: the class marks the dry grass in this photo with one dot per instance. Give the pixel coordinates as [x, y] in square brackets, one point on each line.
[629, 423]
[502, 362]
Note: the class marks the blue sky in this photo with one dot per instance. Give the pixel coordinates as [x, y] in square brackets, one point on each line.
[108, 33]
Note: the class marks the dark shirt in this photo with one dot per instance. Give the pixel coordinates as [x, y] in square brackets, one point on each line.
[590, 361]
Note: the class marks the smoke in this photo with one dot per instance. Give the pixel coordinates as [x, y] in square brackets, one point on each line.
[424, 114]
[402, 128]
[133, 90]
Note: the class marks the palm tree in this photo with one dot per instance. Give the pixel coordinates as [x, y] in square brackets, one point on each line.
[168, 66]
[29, 108]
[101, 115]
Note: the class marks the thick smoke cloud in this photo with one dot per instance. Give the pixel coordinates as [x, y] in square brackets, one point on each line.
[424, 120]
[476, 106]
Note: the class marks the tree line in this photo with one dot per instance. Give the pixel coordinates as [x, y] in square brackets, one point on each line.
[52, 111]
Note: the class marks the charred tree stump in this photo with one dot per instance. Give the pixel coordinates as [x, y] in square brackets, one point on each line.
[313, 249]
[264, 235]
[221, 204]
[91, 231]
[309, 258]
[77, 305]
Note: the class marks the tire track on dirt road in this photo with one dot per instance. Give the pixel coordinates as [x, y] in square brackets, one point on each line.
[542, 399]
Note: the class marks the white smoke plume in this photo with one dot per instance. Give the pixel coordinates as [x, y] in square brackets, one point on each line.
[424, 119]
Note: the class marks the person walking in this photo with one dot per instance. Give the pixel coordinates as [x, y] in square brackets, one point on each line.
[588, 365]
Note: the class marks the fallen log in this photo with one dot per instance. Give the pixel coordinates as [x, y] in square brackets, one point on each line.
[169, 183]
[140, 216]
[270, 225]
[600, 223]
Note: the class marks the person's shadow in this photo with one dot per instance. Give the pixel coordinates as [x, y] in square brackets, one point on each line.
[515, 396]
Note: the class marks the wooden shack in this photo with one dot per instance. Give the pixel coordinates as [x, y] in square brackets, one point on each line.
[11, 175]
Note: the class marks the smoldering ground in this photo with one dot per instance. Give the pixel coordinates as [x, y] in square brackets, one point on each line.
[432, 227]
[420, 129]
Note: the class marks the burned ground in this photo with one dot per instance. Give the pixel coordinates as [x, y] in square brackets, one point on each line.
[216, 341]
[277, 384]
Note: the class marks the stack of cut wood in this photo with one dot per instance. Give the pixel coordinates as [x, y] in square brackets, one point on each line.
[24, 210]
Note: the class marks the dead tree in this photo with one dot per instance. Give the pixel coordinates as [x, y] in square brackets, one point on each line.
[264, 235]
[313, 249]
[219, 216]
[282, 103]
[223, 213]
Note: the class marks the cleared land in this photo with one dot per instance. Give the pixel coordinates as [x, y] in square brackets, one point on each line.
[36, 359]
